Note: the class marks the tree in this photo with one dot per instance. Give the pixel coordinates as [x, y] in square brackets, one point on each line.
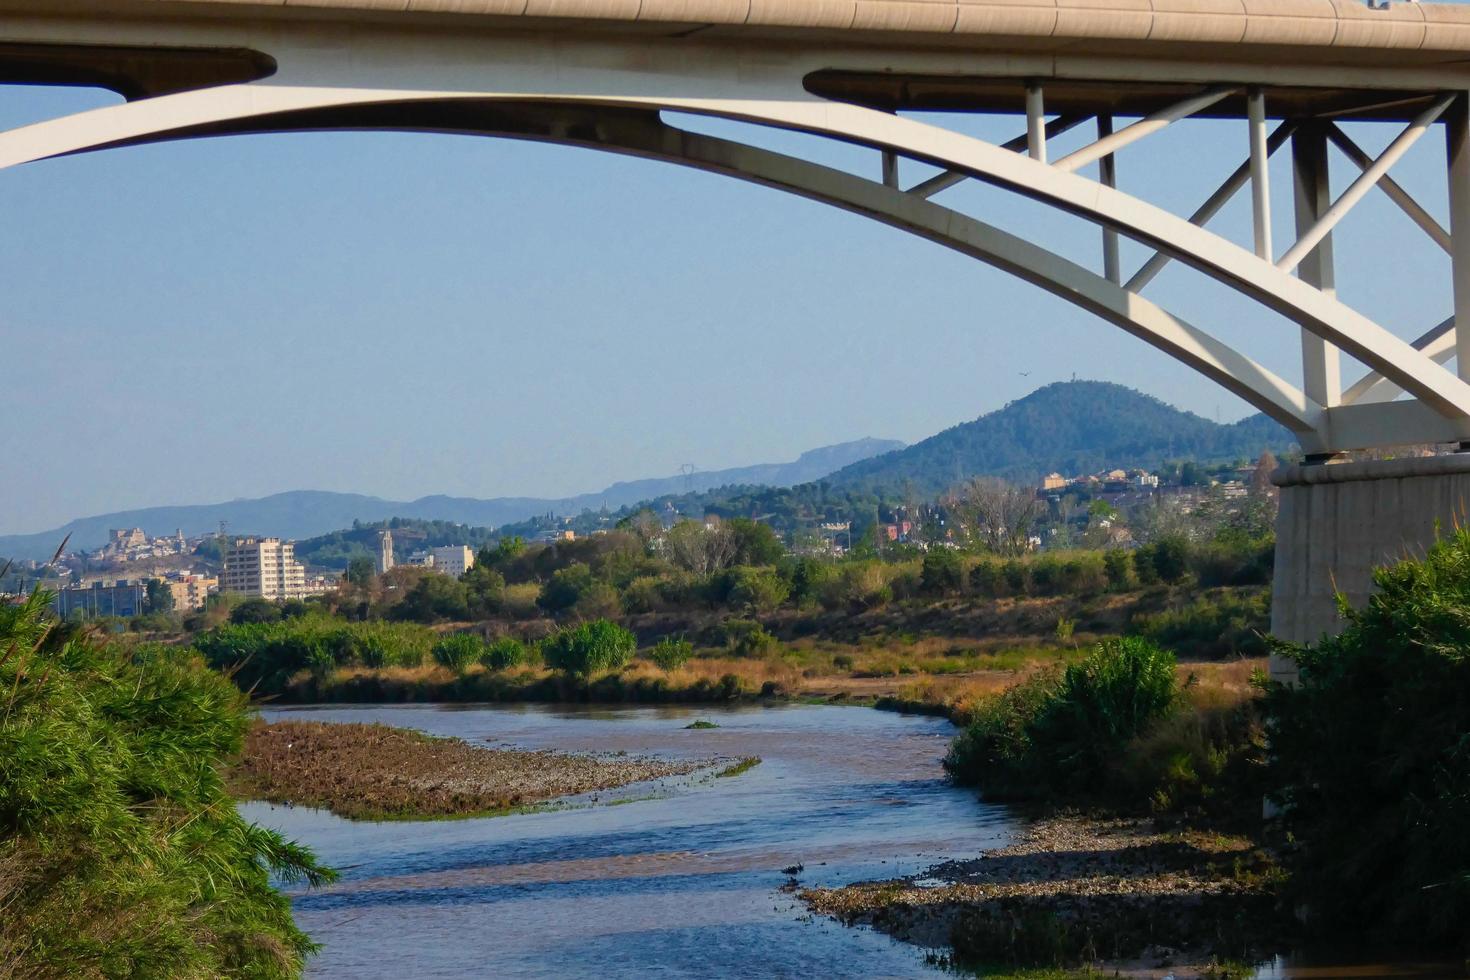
[1371, 754]
[757, 589]
[484, 590]
[1261, 476]
[943, 572]
[589, 648]
[1171, 558]
[158, 597]
[506, 550]
[361, 571]
[432, 599]
[255, 610]
[755, 543]
[996, 515]
[565, 587]
[700, 549]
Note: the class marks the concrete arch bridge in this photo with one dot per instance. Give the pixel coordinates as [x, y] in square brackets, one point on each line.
[617, 75]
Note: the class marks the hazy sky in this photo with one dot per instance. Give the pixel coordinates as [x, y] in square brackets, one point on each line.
[407, 314]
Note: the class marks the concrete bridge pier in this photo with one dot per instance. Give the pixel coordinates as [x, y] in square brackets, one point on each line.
[1338, 521]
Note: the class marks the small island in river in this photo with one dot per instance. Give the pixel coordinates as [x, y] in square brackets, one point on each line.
[378, 772]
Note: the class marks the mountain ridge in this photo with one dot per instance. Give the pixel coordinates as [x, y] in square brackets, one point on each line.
[306, 513]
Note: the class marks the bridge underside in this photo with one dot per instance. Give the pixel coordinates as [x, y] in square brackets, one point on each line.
[600, 77]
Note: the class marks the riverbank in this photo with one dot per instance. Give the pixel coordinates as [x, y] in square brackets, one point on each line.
[1121, 895]
[378, 772]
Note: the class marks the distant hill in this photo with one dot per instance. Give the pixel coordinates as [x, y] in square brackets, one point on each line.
[305, 513]
[1071, 428]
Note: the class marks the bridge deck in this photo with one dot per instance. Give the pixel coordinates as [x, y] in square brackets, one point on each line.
[1315, 58]
[1415, 33]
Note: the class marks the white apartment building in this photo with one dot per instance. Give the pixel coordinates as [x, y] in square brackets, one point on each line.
[264, 567]
[453, 560]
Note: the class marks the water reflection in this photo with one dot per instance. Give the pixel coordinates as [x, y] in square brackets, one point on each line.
[681, 878]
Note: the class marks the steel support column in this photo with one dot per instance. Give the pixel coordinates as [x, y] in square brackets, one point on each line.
[1107, 174]
[1321, 363]
[1457, 143]
[1035, 122]
[1260, 173]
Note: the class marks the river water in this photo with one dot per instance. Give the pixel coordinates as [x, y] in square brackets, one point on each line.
[677, 878]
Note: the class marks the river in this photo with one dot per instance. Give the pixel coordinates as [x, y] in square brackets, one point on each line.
[680, 878]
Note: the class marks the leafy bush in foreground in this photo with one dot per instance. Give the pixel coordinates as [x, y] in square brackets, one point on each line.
[1372, 756]
[590, 648]
[120, 852]
[1058, 733]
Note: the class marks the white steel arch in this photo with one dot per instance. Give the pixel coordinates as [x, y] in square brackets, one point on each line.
[617, 116]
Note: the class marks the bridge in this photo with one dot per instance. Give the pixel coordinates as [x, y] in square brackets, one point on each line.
[625, 76]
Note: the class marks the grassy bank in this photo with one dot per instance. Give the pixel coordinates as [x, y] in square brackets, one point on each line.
[378, 772]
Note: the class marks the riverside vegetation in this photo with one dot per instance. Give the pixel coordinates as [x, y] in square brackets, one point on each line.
[715, 613]
[1054, 663]
[121, 854]
[1367, 759]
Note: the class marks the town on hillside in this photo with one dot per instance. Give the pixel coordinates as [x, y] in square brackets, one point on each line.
[134, 574]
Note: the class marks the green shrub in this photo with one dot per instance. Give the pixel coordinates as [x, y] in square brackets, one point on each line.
[1059, 734]
[1371, 754]
[906, 580]
[123, 855]
[943, 572]
[255, 610]
[988, 579]
[1222, 625]
[756, 589]
[598, 601]
[1170, 557]
[1233, 559]
[1144, 568]
[458, 651]
[1118, 564]
[1205, 758]
[644, 595]
[265, 655]
[565, 587]
[434, 598]
[994, 749]
[670, 653]
[589, 648]
[857, 585]
[747, 638]
[504, 653]
[1048, 576]
[806, 578]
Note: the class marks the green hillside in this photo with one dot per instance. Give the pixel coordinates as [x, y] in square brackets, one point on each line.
[1071, 428]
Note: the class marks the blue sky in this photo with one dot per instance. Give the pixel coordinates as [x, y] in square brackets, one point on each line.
[407, 314]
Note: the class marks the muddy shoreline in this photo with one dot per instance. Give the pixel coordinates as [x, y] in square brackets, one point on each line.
[378, 772]
[1075, 891]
